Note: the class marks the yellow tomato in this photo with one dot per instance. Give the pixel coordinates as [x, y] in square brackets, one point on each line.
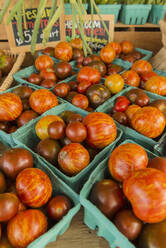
[114, 83]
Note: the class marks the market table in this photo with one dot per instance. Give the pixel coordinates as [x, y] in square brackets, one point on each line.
[79, 236]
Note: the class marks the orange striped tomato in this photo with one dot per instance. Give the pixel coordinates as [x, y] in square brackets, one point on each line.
[34, 187]
[42, 100]
[10, 106]
[25, 227]
[141, 67]
[101, 129]
[73, 158]
[149, 121]
[63, 51]
[157, 85]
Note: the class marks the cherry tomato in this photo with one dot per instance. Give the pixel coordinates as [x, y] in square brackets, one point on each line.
[121, 104]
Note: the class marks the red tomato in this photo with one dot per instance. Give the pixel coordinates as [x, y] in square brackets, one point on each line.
[34, 187]
[80, 101]
[121, 104]
[34, 79]
[76, 132]
[47, 83]
[48, 74]
[62, 89]
[82, 87]
[43, 62]
[58, 207]
[89, 75]
[146, 76]
[146, 191]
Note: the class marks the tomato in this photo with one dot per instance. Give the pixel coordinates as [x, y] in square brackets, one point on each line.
[131, 78]
[130, 111]
[142, 100]
[8, 206]
[34, 78]
[120, 117]
[157, 85]
[4, 242]
[128, 224]
[43, 62]
[80, 101]
[116, 46]
[10, 106]
[101, 130]
[34, 187]
[42, 100]
[146, 191]
[61, 89]
[76, 43]
[49, 149]
[56, 130]
[15, 160]
[63, 70]
[107, 54]
[73, 158]
[146, 76]
[158, 163]
[2, 183]
[23, 91]
[107, 196]
[125, 159]
[89, 75]
[76, 132]
[58, 207]
[141, 67]
[25, 227]
[74, 118]
[82, 87]
[41, 127]
[100, 66]
[121, 104]
[127, 47]
[48, 74]
[25, 117]
[49, 51]
[114, 83]
[63, 51]
[73, 85]
[47, 83]
[149, 121]
[77, 53]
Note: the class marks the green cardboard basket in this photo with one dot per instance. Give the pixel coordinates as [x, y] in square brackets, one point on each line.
[93, 217]
[129, 132]
[68, 10]
[25, 73]
[9, 137]
[59, 187]
[109, 9]
[28, 137]
[135, 14]
[160, 148]
[157, 13]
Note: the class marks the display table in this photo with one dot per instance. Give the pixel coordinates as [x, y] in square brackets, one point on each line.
[79, 236]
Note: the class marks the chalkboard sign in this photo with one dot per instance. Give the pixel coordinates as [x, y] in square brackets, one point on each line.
[17, 45]
[100, 36]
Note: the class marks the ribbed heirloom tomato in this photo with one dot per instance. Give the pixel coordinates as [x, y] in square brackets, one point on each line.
[125, 159]
[10, 106]
[63, 51]
[131, 78]
[89, 75]
[34, 187]
[146, 191]
[25, 227]
[101, 129]
[43, 62]
[42, 100]
[73, 158]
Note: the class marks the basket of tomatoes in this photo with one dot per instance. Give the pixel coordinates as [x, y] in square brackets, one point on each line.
[70, 141]
[139, 114]
[34, 202]
[22, 104]
[121, 196]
